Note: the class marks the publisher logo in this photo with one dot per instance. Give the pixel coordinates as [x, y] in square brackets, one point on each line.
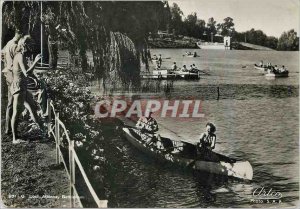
[266, 195]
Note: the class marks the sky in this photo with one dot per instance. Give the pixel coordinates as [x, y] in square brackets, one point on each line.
[271, 16]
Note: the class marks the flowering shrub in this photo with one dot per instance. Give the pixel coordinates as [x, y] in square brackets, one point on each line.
[73, 99]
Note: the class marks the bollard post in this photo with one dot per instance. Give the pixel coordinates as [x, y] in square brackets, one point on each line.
[57, 138]
[49, 116]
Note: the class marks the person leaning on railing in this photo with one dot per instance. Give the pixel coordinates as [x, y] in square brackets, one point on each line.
[18, 87]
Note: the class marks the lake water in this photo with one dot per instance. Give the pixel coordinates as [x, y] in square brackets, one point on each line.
[257, 120]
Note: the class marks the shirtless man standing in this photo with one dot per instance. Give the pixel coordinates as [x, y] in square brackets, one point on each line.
[9, 52]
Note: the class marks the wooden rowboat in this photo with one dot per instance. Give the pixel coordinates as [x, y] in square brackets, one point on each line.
[185, 154]
[186, 75]
[169, 74]
[277, 75]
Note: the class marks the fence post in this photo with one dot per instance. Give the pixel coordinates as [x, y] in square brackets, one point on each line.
[72, 171]
[49, 116]
[102, 203]
[57, 138]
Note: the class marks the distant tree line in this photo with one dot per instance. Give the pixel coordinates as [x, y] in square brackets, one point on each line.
[175, 23]
[288, 41]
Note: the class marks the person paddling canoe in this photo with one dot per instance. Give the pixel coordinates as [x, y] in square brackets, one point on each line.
[148, 128]
[207, 141]
[147, 123]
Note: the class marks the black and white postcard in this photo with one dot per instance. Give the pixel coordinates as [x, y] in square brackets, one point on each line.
[159, 104]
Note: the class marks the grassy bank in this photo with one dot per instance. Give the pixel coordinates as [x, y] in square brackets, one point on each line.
[172, 43]
[30, 177]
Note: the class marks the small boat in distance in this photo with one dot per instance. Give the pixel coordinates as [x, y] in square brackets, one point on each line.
[277, 75]
[184, 154]
[263, 68]
[190, 54]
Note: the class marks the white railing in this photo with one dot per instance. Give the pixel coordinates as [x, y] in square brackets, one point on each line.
[73, 157]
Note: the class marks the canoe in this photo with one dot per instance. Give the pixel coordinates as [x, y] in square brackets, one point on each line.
[186, 75]
[260, 68]
[191, 55]
[186, 156]
[277, 75]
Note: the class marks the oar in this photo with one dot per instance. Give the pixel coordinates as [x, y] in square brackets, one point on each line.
[167, 149]
[129, 126]
[133, 127]
[148, 135]
[204, 72]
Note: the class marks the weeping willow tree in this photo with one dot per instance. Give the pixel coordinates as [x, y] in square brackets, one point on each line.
[116, 32]
[22, 17]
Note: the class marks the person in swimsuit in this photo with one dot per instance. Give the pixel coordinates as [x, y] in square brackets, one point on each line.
[18, 87]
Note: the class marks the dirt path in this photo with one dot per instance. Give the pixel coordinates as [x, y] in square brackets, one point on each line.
[29, 176]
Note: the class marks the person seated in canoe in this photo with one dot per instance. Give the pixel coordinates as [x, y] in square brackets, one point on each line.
[148, 126]
[174, 67]
[184, 69]
[275, 69]
[282, 69]
[261, 64]
[188, 53]
[207, 141]
[195, 54]
[272, 69]
[193, 69]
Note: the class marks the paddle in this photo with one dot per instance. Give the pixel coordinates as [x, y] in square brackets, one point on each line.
[169, 148]
[130, 126]
[203, 71]
[133, 127]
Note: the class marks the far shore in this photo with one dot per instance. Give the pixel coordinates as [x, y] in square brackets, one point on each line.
[167, 43]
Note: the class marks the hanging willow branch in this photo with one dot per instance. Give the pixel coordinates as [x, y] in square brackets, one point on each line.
[115, 32]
